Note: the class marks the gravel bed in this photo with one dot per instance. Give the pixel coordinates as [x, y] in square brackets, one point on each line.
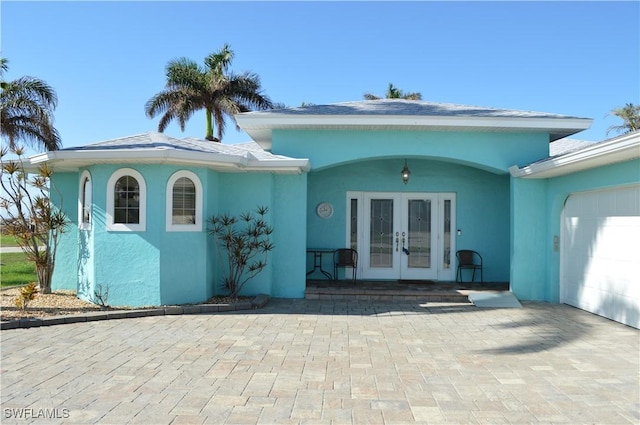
[44, 305]
[65, 303]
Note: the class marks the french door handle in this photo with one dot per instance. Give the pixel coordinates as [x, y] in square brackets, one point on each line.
[398, 240]
[405, 250]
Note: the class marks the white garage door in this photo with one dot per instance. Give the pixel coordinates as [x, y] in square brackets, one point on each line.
[600, 253]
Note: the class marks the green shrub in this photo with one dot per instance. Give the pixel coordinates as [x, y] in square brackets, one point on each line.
[245, 243]
[27, 294]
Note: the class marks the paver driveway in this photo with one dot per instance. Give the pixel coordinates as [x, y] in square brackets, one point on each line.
[322, 362]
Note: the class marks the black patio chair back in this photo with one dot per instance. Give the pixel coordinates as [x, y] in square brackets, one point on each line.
[345, 257]
[469, 260]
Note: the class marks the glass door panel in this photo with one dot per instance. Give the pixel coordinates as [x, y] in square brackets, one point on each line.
[419, 233]
[446, 231]
[353, 228]
[381, 233]
[419, 218]
[447, 238]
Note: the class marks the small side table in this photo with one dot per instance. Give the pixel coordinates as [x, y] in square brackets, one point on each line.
[317, 260]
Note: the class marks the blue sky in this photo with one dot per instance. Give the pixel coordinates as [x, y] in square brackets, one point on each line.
[106, 59]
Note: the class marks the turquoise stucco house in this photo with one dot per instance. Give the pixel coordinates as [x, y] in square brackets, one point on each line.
[509, 184]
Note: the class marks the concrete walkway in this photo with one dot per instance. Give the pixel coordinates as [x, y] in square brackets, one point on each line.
[327, 362]
[10, 249]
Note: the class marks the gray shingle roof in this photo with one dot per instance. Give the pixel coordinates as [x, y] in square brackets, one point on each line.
[159, 141]
[408, 108]
[563, 146]
[154, 148]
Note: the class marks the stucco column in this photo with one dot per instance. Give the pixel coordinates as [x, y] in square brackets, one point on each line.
[65, 196]
[528, 239]
[289, 236]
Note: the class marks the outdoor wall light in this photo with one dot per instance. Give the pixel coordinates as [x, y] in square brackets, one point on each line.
[405, 173]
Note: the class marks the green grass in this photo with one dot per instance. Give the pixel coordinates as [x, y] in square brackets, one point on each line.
[16, 270]
[7, 240]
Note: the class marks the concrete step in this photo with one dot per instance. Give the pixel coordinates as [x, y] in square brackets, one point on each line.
[363, 295]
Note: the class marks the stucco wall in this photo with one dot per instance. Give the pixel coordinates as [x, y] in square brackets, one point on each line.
[127, 263]
[485, 150]
[240, 193]
[289, 238]
[154, 267]
[65, 195]
[285, 196]
[536, 211]
[561, 187]
[528, 239]
[183, 255]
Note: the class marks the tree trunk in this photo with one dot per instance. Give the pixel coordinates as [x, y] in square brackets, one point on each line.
[209, 129]
[45, 273]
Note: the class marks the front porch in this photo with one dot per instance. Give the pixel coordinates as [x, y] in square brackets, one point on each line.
[398, 290]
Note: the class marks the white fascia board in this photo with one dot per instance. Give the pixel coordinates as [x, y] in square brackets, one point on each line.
[274, 121]
[82, 158]
[621, 149]
[216, 161]
[302, 164]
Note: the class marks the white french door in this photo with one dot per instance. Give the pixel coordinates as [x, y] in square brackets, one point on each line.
[403, 235]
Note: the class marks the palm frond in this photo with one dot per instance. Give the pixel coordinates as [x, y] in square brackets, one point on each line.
[26, 112]
[630, 116]
[4, 66]
[394, 93]
[217, 63]
[190, 88]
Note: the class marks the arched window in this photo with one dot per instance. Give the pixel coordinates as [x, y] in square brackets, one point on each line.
[126, 201]
[84, 202]
[184, 202]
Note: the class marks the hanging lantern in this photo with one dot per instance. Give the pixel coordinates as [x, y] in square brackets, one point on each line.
[405, 173]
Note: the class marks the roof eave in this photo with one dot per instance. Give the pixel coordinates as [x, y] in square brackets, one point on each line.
[260, 126]
[620, 149]
[74, 160]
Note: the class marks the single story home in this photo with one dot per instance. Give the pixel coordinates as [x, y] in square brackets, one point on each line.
[557, 218]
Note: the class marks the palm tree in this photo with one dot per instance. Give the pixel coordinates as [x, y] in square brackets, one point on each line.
[630, 115]
[190, 88]
[26, 111]
[395, 93]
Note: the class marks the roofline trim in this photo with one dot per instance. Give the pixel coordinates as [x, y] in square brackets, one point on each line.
[259, 127]
[248, 120]
[619, 149]
[73, 160]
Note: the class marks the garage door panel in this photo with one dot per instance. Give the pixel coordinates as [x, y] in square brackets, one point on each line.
[600, 253]
[628, 203]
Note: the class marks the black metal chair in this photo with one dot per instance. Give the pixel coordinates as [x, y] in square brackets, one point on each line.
[345, 257]
[469, 260]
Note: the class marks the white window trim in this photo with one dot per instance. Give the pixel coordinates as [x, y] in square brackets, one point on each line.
[85, 200]
[170, 227]
[122, 227]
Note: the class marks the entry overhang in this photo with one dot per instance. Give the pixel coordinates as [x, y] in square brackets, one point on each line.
[404, 115]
